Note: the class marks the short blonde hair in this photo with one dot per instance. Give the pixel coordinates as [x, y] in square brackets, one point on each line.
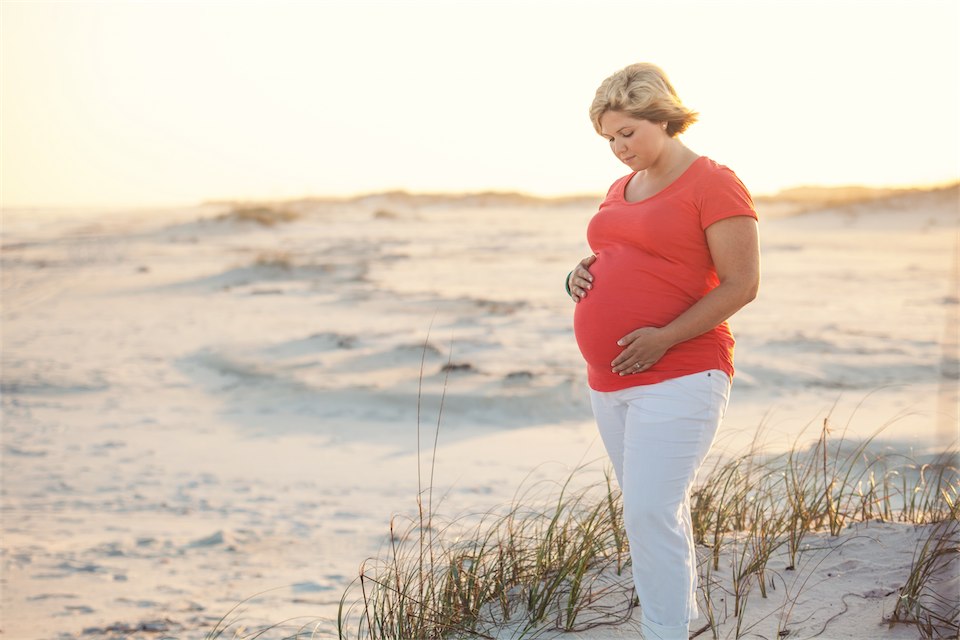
[642, 91]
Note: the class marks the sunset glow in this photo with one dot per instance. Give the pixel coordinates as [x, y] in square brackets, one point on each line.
[110, 103]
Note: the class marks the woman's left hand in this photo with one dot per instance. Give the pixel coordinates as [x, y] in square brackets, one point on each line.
[642, 347]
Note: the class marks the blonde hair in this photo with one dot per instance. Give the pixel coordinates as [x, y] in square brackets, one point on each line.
[642, 91]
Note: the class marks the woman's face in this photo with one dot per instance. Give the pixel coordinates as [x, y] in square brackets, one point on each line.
[637, 143]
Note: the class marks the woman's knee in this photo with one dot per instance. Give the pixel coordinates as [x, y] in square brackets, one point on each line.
[646, 509]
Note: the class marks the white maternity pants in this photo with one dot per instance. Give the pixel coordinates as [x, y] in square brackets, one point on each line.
[657, 436]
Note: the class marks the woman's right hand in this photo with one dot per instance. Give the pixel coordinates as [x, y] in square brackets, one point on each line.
[580, 279]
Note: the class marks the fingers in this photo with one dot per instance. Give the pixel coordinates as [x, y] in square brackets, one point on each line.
[581, 280]
[631, 366]
[640, 351]
[577, 293]
[629, 338]
[580, 283]
[582, 271]
[625, 361]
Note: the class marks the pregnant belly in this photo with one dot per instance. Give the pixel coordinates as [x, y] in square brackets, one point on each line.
[599, 322]
[622, 300]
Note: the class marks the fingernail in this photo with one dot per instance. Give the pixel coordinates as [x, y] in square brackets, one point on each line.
[589, 286]
[619, 343]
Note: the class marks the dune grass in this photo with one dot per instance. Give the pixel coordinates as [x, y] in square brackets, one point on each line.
[929, 599]
[262, 215]
[275, 259]
[547, 564]
[556, 559]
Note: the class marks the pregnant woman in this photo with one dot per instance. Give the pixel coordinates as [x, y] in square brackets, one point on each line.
[675, 253]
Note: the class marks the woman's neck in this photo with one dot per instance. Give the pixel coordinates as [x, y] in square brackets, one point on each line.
[674, 158]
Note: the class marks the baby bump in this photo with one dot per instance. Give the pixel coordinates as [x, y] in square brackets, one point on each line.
[623, 299]
[601, 319]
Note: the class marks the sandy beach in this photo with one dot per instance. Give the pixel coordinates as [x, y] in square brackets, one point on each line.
[200, 409]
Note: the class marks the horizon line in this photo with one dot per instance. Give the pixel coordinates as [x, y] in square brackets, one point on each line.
[356, 196]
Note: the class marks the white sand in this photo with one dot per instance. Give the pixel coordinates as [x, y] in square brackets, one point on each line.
[843, 587]
[184, 428]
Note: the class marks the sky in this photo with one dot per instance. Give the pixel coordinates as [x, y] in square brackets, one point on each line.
[119, 104]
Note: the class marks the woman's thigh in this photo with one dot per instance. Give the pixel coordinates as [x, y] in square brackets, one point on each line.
[610, 412]
[668, 431]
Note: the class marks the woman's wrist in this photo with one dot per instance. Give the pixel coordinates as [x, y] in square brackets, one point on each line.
[668, 336]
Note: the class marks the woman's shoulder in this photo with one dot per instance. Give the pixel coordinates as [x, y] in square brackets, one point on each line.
[714, 175]
[721, 194]
[710, 168]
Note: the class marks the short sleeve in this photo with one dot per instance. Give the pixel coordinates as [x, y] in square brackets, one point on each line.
[724, 196]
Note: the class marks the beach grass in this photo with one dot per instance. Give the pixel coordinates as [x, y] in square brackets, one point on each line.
[928, 599]
[555, 558]
[552, 563]
[275, 259]
[263, 215]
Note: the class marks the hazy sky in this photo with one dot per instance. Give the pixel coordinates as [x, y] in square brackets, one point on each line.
[156, 103]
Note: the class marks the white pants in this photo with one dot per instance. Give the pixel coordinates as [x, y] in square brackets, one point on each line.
[657, 436]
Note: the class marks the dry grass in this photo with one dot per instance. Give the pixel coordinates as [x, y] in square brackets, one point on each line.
[262, 215]
[931, 597]
[275, 259]
[554, 566]
[555, 559]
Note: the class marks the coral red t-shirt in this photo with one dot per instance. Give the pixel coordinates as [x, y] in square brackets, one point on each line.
[653, 263]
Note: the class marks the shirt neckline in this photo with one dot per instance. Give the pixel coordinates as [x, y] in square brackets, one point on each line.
[623, 187]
